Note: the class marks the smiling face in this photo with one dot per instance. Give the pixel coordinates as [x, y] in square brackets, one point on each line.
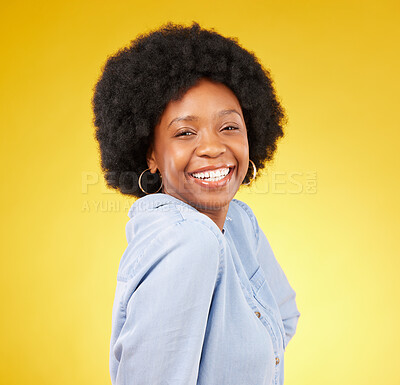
[200, 147]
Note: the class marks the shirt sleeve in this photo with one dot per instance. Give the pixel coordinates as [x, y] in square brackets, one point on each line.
[284, 294]
[164, 308]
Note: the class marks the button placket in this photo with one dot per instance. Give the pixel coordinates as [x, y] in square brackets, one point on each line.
[272, 334]
[267, 318]
[259, 284]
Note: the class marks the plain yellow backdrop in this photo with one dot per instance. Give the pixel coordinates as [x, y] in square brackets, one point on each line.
[328, 203]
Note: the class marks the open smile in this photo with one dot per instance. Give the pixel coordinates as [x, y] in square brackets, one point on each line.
[213, 178]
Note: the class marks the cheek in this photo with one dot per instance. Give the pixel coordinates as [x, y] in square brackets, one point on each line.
[175, 161]
[242, 151]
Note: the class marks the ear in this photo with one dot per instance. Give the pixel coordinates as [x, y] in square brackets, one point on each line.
[151, 159]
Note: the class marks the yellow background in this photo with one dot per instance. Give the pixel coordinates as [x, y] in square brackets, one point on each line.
[336, 68]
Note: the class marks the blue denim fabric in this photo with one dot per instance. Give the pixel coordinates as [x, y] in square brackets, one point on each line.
[194, 305]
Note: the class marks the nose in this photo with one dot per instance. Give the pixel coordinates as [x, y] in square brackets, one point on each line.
[210, 145]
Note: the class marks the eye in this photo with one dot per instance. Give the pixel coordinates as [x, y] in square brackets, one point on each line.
[184, 133]
[230, 128]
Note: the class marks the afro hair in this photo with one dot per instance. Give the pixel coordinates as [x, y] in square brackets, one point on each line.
[139, 81]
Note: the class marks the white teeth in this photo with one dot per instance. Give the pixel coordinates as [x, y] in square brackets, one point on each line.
[213, 175]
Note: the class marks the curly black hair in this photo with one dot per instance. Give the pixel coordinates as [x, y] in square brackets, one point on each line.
[139, 81]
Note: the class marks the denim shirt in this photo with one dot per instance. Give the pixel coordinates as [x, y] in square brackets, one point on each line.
[197, 305]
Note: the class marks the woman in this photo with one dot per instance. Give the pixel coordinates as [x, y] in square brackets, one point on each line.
[184, 117]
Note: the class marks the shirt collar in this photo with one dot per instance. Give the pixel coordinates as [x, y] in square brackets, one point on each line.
[153, 201]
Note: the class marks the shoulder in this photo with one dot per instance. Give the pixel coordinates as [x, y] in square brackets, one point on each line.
[151, 215]
[188, 233]
[187, 242]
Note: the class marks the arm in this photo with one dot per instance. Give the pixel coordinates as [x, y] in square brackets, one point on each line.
[166, 304]
[284, 295]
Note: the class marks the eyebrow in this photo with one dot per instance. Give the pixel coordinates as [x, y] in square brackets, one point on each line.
[191, 118]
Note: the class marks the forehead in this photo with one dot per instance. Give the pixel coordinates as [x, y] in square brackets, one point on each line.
[205, 100]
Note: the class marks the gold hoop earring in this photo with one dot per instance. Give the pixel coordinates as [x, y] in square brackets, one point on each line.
[140, 182]
[254, 172]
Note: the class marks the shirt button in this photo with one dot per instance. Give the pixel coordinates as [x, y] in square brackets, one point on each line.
[257, 314]
[277, 360]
